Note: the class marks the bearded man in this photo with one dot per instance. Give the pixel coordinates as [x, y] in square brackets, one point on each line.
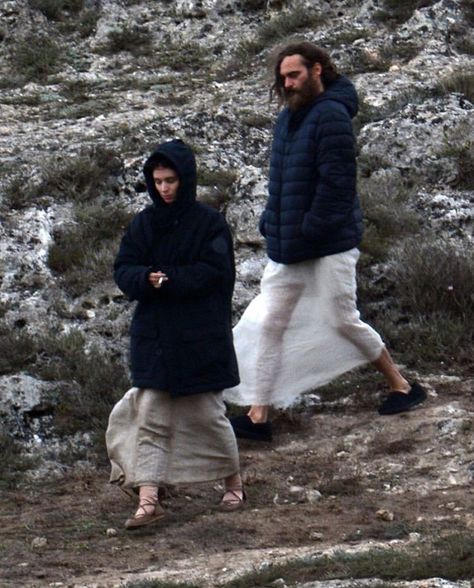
[304, 329]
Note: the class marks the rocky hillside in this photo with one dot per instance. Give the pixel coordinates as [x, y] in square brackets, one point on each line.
[88, 87]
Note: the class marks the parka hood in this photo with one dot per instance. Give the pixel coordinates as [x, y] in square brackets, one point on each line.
[181, 158]
[342, 90]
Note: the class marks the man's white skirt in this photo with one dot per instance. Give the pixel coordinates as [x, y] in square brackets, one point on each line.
[302, 331]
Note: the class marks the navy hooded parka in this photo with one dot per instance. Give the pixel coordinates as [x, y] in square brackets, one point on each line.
[181, 333]
[313, 209]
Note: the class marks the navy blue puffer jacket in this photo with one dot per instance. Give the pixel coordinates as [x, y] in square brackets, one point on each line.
[181, 333]
[313, 209]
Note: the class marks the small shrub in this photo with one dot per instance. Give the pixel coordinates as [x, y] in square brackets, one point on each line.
[461, 82]
[83, 253]
[94, 267]
[435, 275]
[14, 80]
[55, 9]
[67, 251]
[364, 61]
[458, 145]
[79, 178]
[402, 49]
[17, 350]
[88, 108]
[467, 7]
[101, 379]
[387, 213]
[18, 194]
[179, 56]
[432, 317]
[277, 28]
[256, 120]
[287, 23]
[36, 57]
[254, 5]
[465, 44]
[87, 22]
[216, 178]
[428, 340]
[102, 222]
[399, 11]
[13, 461]
[132, 38]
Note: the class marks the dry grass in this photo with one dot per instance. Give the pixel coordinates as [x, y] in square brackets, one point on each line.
[461, 82]
[450, 558]
[278, 28]
[83, 252]
[435, 275]
[388, 215]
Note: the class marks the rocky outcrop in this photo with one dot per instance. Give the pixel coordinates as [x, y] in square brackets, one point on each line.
[189, 69]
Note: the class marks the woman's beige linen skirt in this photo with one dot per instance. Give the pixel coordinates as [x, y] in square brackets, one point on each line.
[301, 331]
[154, 439]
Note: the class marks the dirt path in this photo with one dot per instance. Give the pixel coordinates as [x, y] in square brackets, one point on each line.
[416, 467]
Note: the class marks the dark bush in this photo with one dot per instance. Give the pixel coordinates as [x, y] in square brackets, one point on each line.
[80, 177]
[99, 378]
[399, 11]
[137, 40]
[36, 56]
[55, 9]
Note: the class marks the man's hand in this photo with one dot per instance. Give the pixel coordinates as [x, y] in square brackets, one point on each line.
[156, 279]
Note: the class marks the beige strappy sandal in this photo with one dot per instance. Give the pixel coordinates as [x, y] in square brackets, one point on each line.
[141, 520]
[235, 502]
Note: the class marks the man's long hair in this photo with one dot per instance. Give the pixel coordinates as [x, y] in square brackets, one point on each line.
[310, 54]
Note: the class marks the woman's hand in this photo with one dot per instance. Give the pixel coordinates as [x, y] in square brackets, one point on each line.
[156, 279]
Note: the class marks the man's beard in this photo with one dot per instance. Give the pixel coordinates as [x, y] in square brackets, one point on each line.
[296, 99]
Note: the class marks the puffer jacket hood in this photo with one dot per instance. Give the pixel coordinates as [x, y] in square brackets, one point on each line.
[182, 159]
[342, 90]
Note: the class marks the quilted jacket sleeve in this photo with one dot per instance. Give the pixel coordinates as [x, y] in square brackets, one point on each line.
[133, 264]
[335, 190]
[214, 266]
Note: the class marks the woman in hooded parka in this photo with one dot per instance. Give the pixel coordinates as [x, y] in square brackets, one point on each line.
[176, 260]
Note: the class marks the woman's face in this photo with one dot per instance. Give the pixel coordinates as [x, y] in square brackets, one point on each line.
[167, 183]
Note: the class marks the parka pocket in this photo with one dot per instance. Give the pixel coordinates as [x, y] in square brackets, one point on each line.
[205, 351]
[145, 350]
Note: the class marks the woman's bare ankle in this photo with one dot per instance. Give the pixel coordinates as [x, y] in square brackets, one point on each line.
[258, 414]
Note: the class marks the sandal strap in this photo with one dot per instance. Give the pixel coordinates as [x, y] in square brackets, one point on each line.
[142, 507]
[236, 498]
